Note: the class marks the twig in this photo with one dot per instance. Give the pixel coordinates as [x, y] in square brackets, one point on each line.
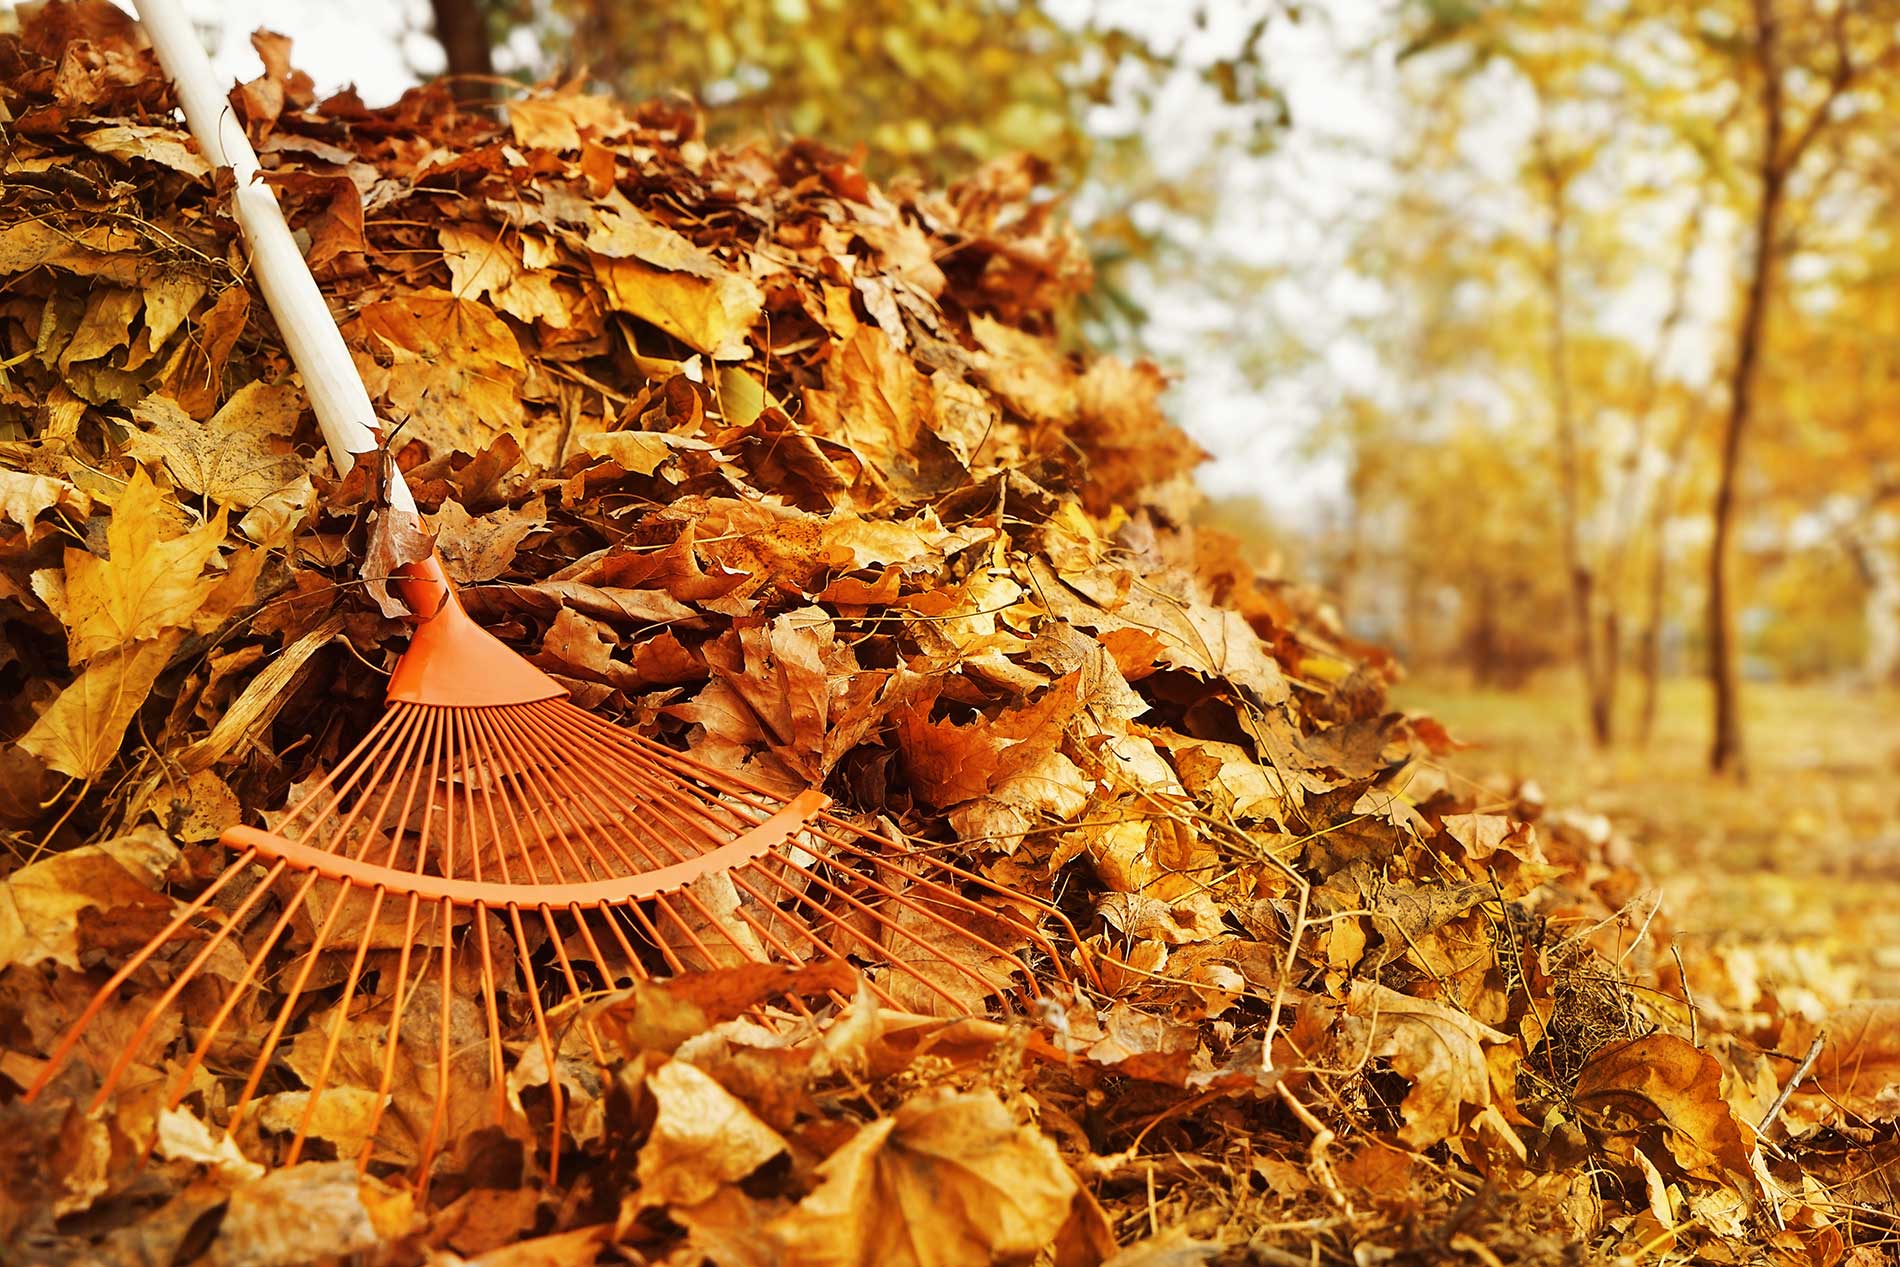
[1318, 1163]
[1688, 996]
[1800, 1073]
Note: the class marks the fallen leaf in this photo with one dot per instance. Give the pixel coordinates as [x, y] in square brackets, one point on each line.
[948, 1180]
[168, 146]
[149, 584]
[481, 264]
[578, 1248]
[24, 497]
[703, 1137]
[182, 1137]
[80, 733]
[449, 368]
[294, 1215]
[1859, 1066]
[1660, 1077]
[708, 314]
[397, 538]
[478, 548]
[44, 905]
[1439, 1050]
[876, 404]
[240, 458]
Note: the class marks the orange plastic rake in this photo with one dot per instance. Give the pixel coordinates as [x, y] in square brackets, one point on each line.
[488, 853]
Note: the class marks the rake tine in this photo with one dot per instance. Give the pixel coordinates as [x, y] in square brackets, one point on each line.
[495, 1077]
[948, 895]
[824, 947]
[824, 912]
[165, 1000]
[548, 1050]
[398, 1002]
[527, 774]
[490, 1009]
[544, 786]
[573, 983]
[703, 808]
[289, 1005]
[398, 722]
[334, 1038]
[446, 916]
[70, 1039]
[180, 1084]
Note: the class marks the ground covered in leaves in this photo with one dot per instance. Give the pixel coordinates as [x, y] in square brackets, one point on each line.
[796, 474]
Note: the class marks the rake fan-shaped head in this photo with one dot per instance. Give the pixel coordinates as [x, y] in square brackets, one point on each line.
[489, 854]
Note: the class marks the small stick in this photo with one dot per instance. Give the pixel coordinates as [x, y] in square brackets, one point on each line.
[1319, 1163]
[1682, 975]
[1800, 1072]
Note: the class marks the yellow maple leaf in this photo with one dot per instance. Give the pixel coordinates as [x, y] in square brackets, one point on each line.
[79, 735]
[152, 580]
[949, 1179]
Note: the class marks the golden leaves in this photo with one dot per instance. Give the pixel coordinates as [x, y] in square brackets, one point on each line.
[150, 582]
[124, 616]
[241, 458]
[448, 366]
[482, 264]
[477, 548]
[79, 734]
[149, 143]
[876, 404]
[1441, 1051]
[948, 1180]
[1662, 1078]
[702, 1138]
[710, 314]
[44, 906]
[1858, 1068]
[901, 544]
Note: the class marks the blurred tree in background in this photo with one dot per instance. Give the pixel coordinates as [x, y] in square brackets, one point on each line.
[1655, 281]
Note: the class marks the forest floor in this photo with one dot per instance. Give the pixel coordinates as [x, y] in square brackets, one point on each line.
[1797, 868]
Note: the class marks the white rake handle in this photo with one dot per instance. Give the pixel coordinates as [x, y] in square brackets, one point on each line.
[316, 346]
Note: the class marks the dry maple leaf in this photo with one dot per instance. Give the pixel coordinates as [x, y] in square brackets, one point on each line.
[44, 906]
[477, 548]
[397, 538]
[240, 458]
[708, 314]
[876, 404]
[447, 366]
[948, 1180]
[318, 1210]
[149, 584]
[1438, 1049]
[1663, 1078]
[80, 733]
[481, 264]
[703, 1138]
[1858, 1069]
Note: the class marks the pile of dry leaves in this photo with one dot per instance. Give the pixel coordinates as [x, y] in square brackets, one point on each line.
[792, 472]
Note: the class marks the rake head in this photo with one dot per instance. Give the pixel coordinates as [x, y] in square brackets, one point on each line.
[489, 855]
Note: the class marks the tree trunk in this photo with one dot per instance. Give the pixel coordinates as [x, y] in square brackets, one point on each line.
[1481, 635]
[1599, 687]
[462, 29]
[1727, 752]
[1649, 643]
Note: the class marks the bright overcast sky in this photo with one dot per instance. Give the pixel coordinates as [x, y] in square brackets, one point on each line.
[1284, 211]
